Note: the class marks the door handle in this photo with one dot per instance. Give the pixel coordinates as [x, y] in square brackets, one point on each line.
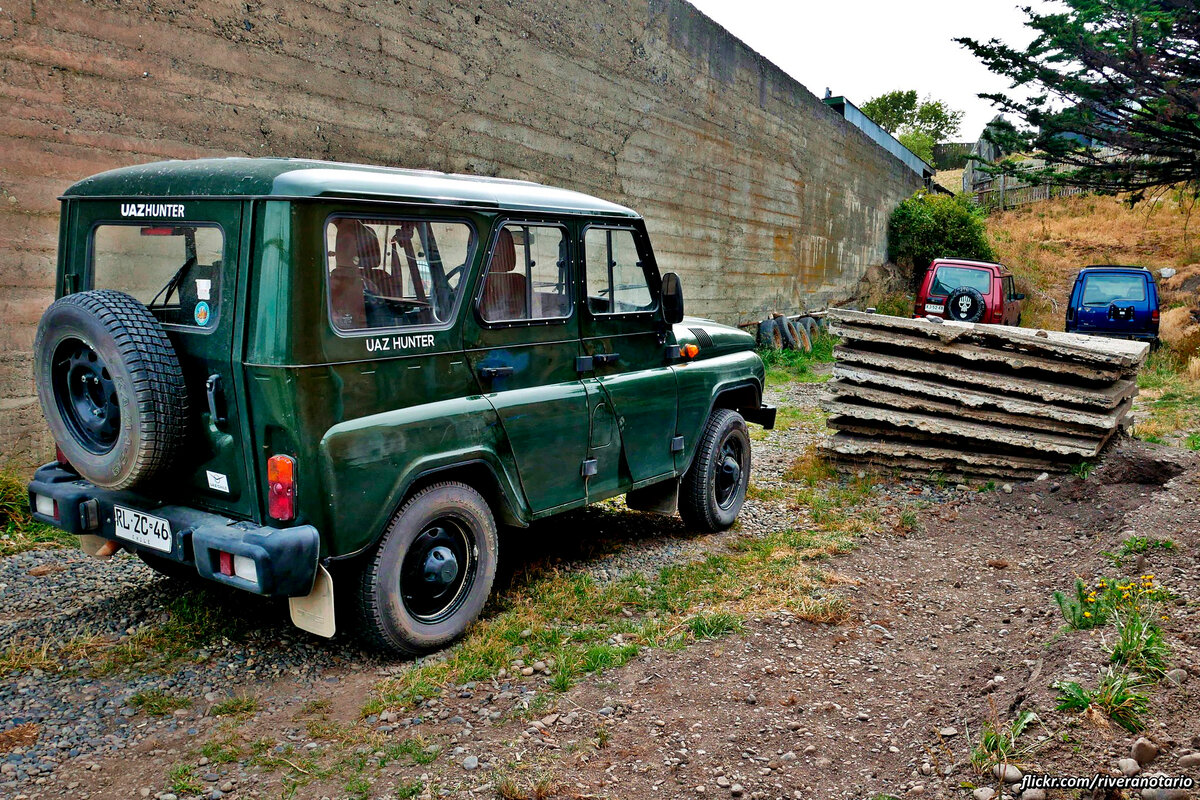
[491, 373]
[606, 358]
[212, 388]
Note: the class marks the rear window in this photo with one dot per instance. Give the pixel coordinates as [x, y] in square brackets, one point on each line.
[947, 279]
[175, 270]
[395, 272]
[1101, 289]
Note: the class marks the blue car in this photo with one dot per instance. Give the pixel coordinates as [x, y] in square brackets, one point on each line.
[1114, 301]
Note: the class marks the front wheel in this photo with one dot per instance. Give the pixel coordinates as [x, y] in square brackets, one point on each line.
[714, 487]
[430, 576]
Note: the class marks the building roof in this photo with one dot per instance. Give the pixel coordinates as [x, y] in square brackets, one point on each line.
[857, 118]
[293, 177]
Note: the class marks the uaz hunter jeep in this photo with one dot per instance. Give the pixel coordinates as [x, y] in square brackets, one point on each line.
[283, 374]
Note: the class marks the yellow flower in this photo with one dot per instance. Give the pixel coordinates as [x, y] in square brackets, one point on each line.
[1087, 613]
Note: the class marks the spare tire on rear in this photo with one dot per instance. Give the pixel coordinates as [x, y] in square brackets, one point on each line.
[110, 386]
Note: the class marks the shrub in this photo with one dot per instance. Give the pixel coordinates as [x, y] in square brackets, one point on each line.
[929, 226]
[1116, 696]
[1139, 646]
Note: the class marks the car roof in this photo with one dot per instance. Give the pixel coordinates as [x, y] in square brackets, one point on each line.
[1116, 268]
[962, 262]
[305, 178]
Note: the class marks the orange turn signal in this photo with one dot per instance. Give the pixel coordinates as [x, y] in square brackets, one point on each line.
[689, 351]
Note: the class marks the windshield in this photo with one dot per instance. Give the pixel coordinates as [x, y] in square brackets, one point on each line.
[947, 279]
[1102, 289]
[174, 269]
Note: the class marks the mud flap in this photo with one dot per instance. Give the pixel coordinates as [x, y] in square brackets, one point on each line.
[314, 611]
[657, 498]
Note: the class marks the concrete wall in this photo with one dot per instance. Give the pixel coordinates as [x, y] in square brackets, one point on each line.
[758, 195]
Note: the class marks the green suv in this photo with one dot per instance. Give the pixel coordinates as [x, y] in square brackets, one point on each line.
[283, 374]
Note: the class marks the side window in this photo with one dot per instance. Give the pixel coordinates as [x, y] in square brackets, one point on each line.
[527, 275]
[617, 282]
[1009, 289]
[395, 272]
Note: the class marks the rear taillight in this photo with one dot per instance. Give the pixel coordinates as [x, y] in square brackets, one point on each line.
[46, 506]
[281, 487]
[1154, 315]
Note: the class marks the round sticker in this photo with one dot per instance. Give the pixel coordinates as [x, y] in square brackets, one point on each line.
[202, 313]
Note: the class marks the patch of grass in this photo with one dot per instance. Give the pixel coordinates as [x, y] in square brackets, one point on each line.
[712, 626]
[18, 530]
[1139, 646]
[158, 703]
[359, 787]
[1082, 470]
[225, 748]
[409, 789]
[1093, 606]
[1117, 696]
[182, 780]
[26, 656]
[810, 467]
[239, 706]
[1143, 544]
[784, 366]
[193, 620]
[998, 743]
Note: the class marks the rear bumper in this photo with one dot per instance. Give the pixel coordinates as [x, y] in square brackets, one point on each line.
[285, 559]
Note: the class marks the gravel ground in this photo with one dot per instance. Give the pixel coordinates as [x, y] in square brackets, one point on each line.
[62, 595]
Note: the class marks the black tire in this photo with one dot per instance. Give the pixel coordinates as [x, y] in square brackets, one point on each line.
[401, 609]
[787, 328]
[810, 327]
[965, 305]
[769, 335]
[110, 386]
[803, 340]
[710, 498]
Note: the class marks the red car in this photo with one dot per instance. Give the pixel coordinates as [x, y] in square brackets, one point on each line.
[969, 291]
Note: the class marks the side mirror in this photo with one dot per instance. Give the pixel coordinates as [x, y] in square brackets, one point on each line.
[672, 298]
[1018, 296]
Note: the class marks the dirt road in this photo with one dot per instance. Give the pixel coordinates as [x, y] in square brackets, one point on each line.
[948, 625]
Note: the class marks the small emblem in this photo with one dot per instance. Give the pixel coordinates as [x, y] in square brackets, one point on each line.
[217, 481]
[202, 313]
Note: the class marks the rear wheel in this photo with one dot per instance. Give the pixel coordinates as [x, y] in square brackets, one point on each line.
[714, 487]
[431, 574]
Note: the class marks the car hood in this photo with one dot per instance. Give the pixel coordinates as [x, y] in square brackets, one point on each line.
[711, 337]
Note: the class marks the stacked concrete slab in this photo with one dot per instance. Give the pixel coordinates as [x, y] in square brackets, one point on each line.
[971, 401]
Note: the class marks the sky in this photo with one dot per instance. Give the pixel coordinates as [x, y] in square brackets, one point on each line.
[863, 48]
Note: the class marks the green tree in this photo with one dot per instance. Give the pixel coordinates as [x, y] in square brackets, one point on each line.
[929, 226]
[1104, 78]
[918, 124]
[921, 144]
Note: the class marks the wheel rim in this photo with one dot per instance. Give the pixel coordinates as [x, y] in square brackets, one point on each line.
[438, 570]
[730, 466]
[86, 396]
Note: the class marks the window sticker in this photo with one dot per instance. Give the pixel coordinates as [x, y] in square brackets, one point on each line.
[202, 313]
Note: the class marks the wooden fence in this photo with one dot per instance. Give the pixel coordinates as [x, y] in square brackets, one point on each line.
[999, 196]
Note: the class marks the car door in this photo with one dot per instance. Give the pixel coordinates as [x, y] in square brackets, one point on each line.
[522, 344]
[622, 334]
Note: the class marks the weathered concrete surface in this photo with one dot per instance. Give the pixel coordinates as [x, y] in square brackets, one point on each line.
[1071, 347]
[879, 386]
[953, 377]
[1023, 439]
[755, 192]
[973, 400]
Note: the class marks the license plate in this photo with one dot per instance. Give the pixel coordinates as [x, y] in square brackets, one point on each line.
[144, 529]
[935, 309]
